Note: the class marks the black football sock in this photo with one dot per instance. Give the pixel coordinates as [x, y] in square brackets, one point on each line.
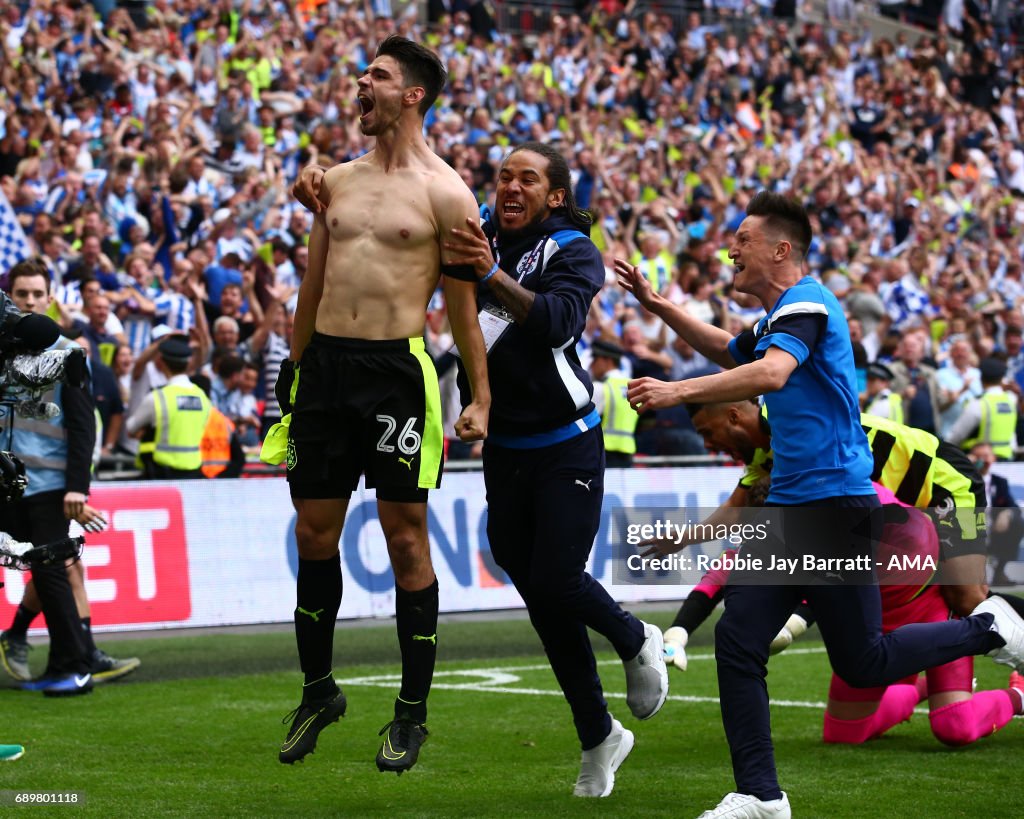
[416, 619]
[803, 610]
[695, 610]
[23, 618]
[90, 644]
[318, 690]
[318, 598]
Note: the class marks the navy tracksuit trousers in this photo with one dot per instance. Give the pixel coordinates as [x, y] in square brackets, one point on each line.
[850, 619]
[543, 512]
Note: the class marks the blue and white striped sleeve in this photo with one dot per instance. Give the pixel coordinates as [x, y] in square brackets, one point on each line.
[797, 328]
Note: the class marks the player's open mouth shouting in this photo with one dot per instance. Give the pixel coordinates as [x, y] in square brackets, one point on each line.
[366, 105]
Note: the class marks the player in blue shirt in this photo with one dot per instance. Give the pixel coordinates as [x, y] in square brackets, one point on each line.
[799, 356]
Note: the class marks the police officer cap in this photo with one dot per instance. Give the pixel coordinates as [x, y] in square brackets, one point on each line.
[606, 349]
[877, 370]
[175, 348]
[992, 369]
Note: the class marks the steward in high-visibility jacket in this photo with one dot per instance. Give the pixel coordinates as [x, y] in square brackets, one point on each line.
[886, 404]
[171, 420]
[618, 418]
[618, 421]
[997, 424]
[990, 418]
[883, 402]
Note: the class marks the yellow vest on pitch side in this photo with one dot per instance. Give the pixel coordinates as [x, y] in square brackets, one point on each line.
[892, 400]
[998, 423]
[619, 421]
[181, 415]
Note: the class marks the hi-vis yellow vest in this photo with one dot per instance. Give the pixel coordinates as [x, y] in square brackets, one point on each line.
[181, 414]
[998, 423]
[892, 400]
[619, 421]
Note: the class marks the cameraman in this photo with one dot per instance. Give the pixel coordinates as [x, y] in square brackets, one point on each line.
[57, 454]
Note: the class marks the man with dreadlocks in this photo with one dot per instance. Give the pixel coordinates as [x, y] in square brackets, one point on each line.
[544, 458]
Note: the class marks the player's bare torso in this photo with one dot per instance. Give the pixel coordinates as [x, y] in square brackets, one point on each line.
[383, 261]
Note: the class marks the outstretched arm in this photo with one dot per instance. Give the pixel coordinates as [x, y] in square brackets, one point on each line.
[708, 340]
[766, 374]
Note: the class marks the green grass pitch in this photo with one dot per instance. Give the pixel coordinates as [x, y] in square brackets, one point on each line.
[196, 731]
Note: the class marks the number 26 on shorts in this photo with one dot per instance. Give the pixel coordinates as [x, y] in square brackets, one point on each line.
[408, 439]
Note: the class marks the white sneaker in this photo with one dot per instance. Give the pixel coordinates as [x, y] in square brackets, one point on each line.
[745, 806]
[647, 676]
[675, 647]
[1008, 625]
[598, 765]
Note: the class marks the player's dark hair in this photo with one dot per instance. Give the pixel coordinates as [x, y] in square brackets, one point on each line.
[693, 408]
[785, 217]
[420, 66]
[559, 177]
[29, 267]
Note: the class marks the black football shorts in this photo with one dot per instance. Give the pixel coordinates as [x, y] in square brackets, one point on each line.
[365, 407]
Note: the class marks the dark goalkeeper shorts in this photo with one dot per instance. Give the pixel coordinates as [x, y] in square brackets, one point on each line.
[365, 407]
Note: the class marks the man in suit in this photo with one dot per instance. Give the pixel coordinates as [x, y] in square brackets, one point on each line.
[1005, 521]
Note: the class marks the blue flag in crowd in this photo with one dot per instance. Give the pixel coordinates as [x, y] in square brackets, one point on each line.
[13, 245]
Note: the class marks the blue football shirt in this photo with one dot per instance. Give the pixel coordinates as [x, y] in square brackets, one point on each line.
[821, 450]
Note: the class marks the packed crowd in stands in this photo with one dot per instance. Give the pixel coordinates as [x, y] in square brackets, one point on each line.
[149, 157]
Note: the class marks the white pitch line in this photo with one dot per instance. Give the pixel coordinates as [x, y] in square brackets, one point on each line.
[690, 657]
[542, 692]
[501, 674]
